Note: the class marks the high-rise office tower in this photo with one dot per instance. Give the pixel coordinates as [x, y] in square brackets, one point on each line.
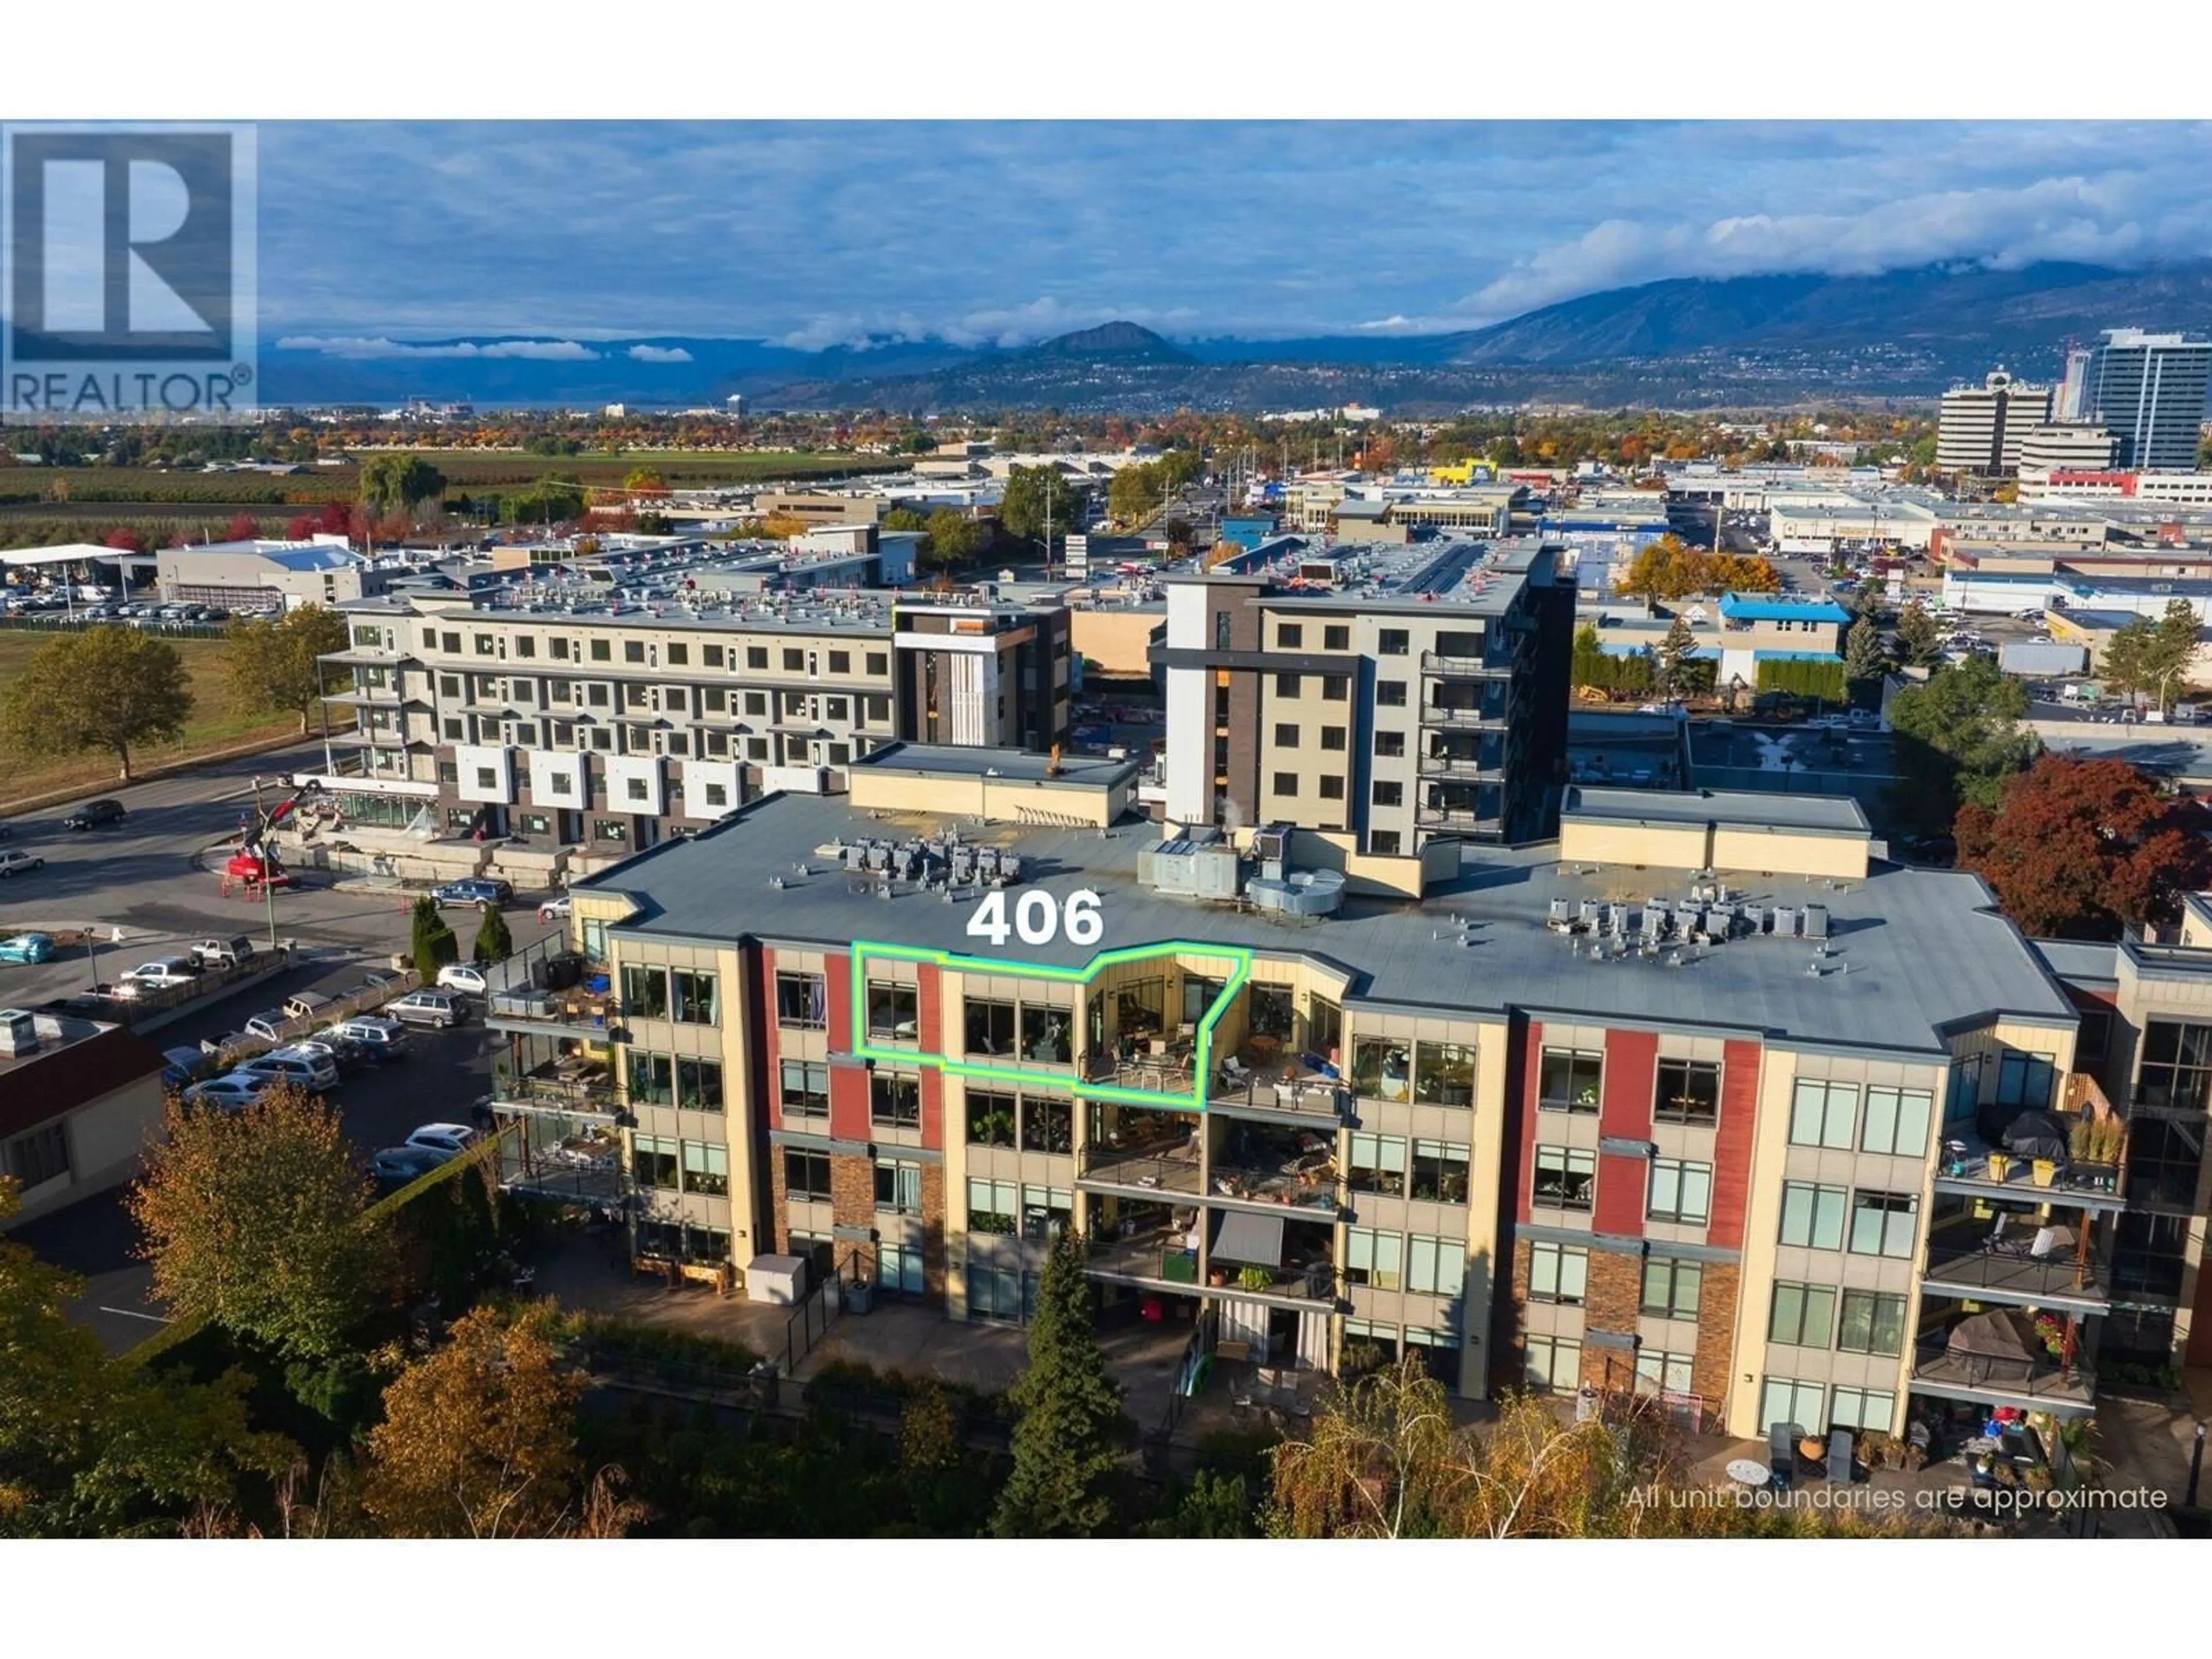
[2148, 389]
[1981, 425]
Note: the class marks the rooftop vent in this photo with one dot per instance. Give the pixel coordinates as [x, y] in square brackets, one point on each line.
[19, 1032]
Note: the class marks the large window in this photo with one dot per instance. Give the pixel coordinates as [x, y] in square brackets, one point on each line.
[806, 1175]
[1795, 1405]
[1198, 994]
[805, 1089]
[1568, 1079]
[2177, 1060]
[1802, 1315]
[1273, 1012]
[652, 1079]
[2149, 1254]
[1689, 1091]
[653, 1161]
[1048, 1033]
[1680, 1191]
[1440, 1172]
[1552, 1363]
[1378, 1165]
[1444, 1073]
[699, 1085]
[894, 1102]
[645, 993]
[898, 1186]
[989, 1027]
[1383, 1068]
[801, 1002]
[894, 1012]
[1897, 1122]
[1656, 1371]
[990, 1119]
[1820, 1113]
[1671, 1288]
[1048, 1126]
[995, 1293]
[1324, 1026]
[1374, 1258]
[1046, 1212]
[2163, 1158]
[1435, 1266]
[900, 1270]
[38, 1156]
[1813, 1215]
[993, 1205]
[1566, 1177]
[1883, 1224]
[1873, 1323]
[1558, 1272]
[694, 997]
[2025, 1081]
[1865, 1409]
[706, 1169]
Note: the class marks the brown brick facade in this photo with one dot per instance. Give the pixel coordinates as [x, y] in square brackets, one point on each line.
[932, 1229]
[1713, 1367]
[1614, 1292]
[853, 1204]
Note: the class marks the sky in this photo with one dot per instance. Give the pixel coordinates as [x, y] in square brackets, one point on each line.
[375, 237]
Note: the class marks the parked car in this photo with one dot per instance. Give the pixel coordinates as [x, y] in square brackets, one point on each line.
[305, 1005]
[428, 1008]
[13, 859]
[451, 1139]
[161, 974]
[464, 977]
[381, 1038]
[181, 1067]
[268, 1025]
[27, 947]
[554, 910]
[395, 1166]
[223, 953]
[93, 814]
[312, 1071]
[379, 978]
[482, 891]
[232, 1093]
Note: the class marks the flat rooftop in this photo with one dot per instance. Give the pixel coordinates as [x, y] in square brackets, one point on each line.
[1828, 814]
[1913, 951]
[945, 760]
[1480, 577]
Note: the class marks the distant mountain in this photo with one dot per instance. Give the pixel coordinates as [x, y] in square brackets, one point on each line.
[1687, 342]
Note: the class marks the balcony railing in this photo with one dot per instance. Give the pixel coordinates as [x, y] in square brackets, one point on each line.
[562, 1090]
[1434, 662]
[2013, 1270]
[1453, 817]
[1306, 1098]
[1304, 1281]
[1154, 1255]
[1464, 767]
[1470, 718]
[1968, 1164]
[1307, 1182]
[1935, 1369]
[1162, 1167]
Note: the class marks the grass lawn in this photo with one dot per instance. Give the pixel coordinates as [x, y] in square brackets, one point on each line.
[218, 722]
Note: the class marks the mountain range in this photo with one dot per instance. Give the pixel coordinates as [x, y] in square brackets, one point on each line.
[1684, 342]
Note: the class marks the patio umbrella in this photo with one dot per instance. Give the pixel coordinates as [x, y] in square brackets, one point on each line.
[1999, 1340]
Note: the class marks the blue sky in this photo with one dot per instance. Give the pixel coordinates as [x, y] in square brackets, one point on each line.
[812, 234]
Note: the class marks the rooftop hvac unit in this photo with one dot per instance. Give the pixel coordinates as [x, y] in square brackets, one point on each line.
[1785, 923]
[1559, 910]
[1654, 920]
[1754, 917]
[1816, 921]
[1587, 913]
[1616, 919]
[19, 1032]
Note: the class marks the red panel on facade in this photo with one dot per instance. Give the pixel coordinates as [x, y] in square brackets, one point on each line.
[1531, 1059]
[1631, 1059]
[766, 958]
[837, 987]
[1732, 1142]
[848, 1102]
[928, 1007]
[1620, 1194]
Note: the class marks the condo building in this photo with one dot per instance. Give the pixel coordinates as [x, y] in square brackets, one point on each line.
[1703, 1099]
[604, 724]
[1383, 696]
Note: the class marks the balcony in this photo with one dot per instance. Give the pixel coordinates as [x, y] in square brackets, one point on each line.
[2009, 1270]
[1970, 1169]
[1469, 718]
[2033, 1385]
[1271, 1258]
[1150, 1252]
[1446, 667]
[576, 1161]
[571, 1086]
[1279, 1168]
[1463, 820]
[1280, 1095]
[1462, 767]
[1156, 1166]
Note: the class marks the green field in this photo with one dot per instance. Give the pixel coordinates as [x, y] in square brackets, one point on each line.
[218, 722]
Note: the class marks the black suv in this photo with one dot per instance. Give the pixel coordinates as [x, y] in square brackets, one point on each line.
[92, 814]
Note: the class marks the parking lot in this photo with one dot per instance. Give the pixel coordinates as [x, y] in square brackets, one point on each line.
[141, 876]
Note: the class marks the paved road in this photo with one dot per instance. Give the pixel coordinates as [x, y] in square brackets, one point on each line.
[141, 876]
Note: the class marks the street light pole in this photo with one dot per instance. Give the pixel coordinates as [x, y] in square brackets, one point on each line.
[2196, 1465]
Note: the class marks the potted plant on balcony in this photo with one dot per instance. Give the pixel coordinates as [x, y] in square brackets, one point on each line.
[1254, 1276]
[2000, 1166]
[2044, 1169]
[1217, 1277]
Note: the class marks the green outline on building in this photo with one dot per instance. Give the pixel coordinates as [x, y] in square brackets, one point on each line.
[1238, 958]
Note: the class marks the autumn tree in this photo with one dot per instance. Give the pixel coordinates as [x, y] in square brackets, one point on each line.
[1958, 738]
[241, 528]
[253, 1220]
[1068, 1441]
[479, 1439]
[105, 689]
[1381, 1461]
[2083, 848]
[276, 663]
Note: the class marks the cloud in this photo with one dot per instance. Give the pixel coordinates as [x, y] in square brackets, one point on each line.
[366, 347]
[2076, 218]
[653, 354]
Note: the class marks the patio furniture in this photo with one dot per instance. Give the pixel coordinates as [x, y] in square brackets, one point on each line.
[1840, 1455]
[1748, 1472]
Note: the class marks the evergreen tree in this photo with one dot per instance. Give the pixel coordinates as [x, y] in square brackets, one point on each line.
[1067, 1443]
[1862, 658]
[1917, 641]
[1674, 653]
[434, 945]
[493, 943]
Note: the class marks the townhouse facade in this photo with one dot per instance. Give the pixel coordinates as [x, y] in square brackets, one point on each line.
[1702, 1100]
[609, 725]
